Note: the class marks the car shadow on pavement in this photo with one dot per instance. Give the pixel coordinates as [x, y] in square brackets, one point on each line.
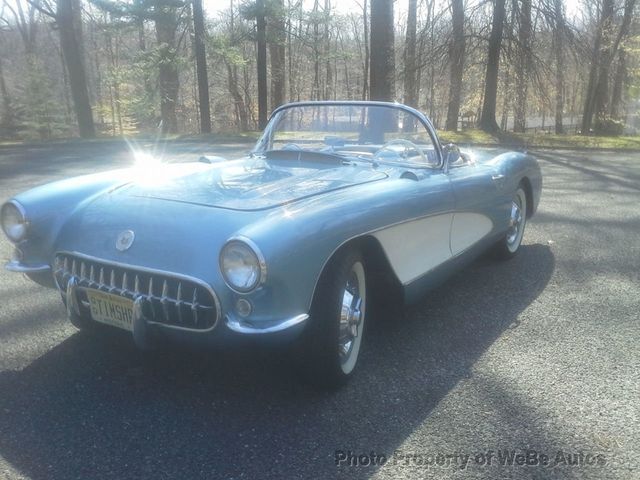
[95, 407]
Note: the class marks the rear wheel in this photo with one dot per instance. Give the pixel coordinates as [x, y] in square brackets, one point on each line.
[509, 245]
[331, 343]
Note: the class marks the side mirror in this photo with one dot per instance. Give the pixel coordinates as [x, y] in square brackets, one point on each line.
[451, 153]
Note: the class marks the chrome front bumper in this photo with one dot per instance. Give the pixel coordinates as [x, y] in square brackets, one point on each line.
[242, 326]
[69, 291]
[18, 267]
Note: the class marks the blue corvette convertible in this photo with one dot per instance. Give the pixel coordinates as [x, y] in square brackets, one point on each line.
[335, 200]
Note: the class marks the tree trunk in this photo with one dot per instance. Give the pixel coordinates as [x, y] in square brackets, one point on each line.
[618, 83]
[456, 57]
[328, 85]
[365, 80]
[166, 21]
[601, 92]
[410, 90]
[558, 46]
[382, 63]
[277, 55]
[201, 67]
[7, 119]
[605, 49]
[522, 66]
[261, 39]
[232, 84]
[488, 117]
[70, 43]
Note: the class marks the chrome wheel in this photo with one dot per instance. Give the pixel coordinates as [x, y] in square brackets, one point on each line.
[330, 343]
[352, 313]
[517, 221]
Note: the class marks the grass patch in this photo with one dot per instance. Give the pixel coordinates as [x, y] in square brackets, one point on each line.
[532, 140]
[214, 138]
[462, 138]
[467, 136]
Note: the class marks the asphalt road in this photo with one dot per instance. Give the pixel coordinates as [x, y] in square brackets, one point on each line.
[540, 353]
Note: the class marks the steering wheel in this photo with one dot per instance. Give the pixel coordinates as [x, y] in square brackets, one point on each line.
[408, 146]
[292, 146]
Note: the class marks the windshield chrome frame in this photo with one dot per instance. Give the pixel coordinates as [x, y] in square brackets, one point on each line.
[267, 135]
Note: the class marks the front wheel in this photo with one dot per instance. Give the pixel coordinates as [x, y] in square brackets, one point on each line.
[509, 245]
[330, 345]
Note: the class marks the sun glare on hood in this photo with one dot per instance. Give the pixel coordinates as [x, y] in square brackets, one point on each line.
[149, 169]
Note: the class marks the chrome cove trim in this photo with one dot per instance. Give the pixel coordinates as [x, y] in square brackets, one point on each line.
[242, 326]
[261, 261]
[15, 266]
[152, 271]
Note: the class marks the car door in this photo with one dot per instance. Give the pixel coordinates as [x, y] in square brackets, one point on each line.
[421, 243]
[479, 207]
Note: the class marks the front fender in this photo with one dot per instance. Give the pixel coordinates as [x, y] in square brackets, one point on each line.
[49, 206]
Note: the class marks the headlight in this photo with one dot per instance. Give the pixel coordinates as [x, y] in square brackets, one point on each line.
[14, 221]
[242, 265]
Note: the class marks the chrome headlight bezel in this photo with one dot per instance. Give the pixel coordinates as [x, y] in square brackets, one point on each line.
[252, 257]
[15, 231]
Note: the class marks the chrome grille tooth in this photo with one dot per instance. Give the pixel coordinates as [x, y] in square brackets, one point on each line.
[163, 300]
[112, 280]
[101, 279]
[150, 286]
[92, 275]
[136, 285]
[194, 306]
[125, 283]
[74, 270]
[65, 266]
[83, 270]
[179, 302]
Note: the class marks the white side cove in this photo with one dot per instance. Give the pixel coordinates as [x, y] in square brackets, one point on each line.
[413, 248]
[467, 229]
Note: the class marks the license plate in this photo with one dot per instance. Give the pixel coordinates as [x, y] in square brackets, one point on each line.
[111, 309]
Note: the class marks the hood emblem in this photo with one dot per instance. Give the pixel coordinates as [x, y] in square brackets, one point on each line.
[125, 240]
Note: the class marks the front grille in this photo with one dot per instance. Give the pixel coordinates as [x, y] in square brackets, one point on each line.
[167, 299]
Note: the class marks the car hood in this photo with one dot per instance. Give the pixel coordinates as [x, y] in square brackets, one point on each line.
[248, 184]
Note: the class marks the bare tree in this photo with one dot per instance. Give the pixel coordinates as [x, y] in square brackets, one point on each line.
[166, 22]
[365, 76]
[277, 33]
[261, 61]
[522, 66]
[618, 83]
[410, 85]
[558, 47]
[328, 81]
[488, 117]
[606, 46]
[68, 19]
[456, 61]
[382, 63]
[8, 118]
[201, 67]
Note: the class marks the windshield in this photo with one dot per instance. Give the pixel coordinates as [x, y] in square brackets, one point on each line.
[386, 134]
